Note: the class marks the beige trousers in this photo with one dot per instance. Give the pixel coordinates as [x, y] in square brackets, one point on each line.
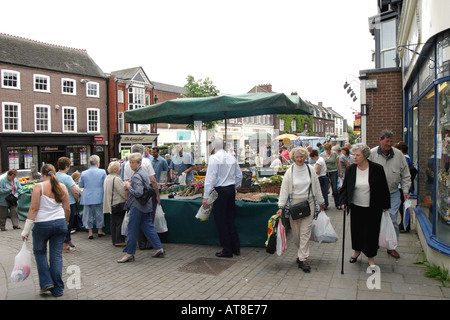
[301, 232]
[12, 212]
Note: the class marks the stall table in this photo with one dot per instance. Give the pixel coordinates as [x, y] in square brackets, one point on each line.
[183, 227]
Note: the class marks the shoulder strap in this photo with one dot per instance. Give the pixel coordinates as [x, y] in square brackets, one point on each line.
[292, 177]
[112, 195]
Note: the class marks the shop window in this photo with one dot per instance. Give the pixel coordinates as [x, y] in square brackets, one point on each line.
[426, 153]
[78, 156]
[443, 162]
[42, 121]
[10, 79]
[41, 83]
[22, 157]
[11, 117]
[69, 86]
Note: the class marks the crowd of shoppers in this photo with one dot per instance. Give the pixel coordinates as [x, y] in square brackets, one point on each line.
[371, 182]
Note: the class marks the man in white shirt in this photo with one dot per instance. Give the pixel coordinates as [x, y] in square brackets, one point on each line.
[224, 175]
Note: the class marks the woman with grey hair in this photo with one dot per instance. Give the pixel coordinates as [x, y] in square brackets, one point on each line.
[114, 194]
[365, 192]
[301, 183]
[92, 196]
[140, 214]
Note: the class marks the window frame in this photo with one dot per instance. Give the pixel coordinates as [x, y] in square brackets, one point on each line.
[88, 110]
[19, 118]
[74, 93]
[18, 87]
[97, 95]
[64, 108]
[42, 76]
[49, 119]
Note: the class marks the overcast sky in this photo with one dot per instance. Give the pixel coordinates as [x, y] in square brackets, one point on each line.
[310, 47]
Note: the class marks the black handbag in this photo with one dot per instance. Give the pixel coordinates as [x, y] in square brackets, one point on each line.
[301, 209]
[148, 193]
[11, 199]
[118, 208]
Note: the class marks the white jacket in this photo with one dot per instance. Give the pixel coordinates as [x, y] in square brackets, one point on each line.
[286, 187]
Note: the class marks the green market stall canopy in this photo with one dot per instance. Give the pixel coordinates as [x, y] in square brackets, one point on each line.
[188, 110]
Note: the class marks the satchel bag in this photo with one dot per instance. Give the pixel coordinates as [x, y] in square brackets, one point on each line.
[148, 193]
[118, 208]
[11, 199]
[301, 209]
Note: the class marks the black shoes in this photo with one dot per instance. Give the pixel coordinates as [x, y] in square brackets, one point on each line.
[159, 254]
[304, 265]
[353, 260]
[221, 254]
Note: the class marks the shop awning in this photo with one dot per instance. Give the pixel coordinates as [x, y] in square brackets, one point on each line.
[188, 110]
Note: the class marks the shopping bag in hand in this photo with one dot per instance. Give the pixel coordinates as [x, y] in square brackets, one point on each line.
[272, 230]
[22, 264]
[124, 228]
[160, 220]
[388, 237]
[406, 213]
[281, 238]
[203, 214]
[322, 230]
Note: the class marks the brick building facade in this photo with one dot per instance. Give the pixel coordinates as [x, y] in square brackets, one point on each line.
[53, 103]
[383, 104]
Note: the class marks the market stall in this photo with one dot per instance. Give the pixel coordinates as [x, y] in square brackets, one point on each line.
[257, 196]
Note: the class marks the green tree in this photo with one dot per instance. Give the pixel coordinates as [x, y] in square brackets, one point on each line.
[351, 135]
[200, 88]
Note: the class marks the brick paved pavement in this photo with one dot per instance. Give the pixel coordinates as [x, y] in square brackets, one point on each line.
[254, 275]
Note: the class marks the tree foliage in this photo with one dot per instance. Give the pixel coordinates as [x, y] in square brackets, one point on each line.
[200, 88]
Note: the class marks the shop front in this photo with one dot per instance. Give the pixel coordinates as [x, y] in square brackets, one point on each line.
[427, 131]
[31, 151]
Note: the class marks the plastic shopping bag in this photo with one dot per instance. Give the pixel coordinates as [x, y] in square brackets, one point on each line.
[406, 213]
[322, 230]
[388, 237]
[124, 229]
[160, 220]
[22, 264]
[203, 214]
[182, 179]
[281, 238]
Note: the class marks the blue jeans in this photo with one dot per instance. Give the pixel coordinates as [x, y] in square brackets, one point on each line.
[51, 232]
[393, 210]
[139, 219]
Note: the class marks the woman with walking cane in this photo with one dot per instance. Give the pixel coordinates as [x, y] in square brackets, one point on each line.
[365, 192]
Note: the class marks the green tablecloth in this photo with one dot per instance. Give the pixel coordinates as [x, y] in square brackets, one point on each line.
[251, 221]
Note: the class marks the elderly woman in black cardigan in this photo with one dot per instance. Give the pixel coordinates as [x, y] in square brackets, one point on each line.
[365, 191]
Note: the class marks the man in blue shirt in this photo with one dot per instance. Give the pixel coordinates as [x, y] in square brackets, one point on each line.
[159, 164]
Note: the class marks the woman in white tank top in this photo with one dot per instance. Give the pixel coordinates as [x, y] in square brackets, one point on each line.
[49, 213]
